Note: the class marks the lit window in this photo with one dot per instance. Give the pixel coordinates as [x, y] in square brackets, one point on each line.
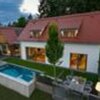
[35, 33]
[78, 61]
[36, 54]
[69, 32]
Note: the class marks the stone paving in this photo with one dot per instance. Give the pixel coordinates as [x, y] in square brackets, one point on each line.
[59, 93]
[2, 63]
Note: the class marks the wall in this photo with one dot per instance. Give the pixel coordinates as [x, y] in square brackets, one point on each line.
[17, 85]
[92, 52]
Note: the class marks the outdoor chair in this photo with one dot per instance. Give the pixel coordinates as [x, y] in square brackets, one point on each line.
[87, 89]
[89, 84]
[66, 82]
[86, 93]
[69, 77]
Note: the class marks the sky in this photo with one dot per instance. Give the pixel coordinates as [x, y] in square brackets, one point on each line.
[11, 10]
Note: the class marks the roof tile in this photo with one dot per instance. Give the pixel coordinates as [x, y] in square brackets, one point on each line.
[87, 23]
[9, 34]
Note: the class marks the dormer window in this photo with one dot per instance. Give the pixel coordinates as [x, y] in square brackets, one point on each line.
[69, 32]
[35, 33]
[62, 32]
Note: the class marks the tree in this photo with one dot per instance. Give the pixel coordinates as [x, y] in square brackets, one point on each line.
[1, 24]
[21, 22]
[30, 17]
[81, 6]
[99, 66]
[54, 47]
[49, 8]
[9, 24]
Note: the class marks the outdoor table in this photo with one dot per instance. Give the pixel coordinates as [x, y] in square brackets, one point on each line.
[77, 84]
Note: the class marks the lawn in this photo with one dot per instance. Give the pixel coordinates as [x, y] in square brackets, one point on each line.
[7, 94]
[48, 69]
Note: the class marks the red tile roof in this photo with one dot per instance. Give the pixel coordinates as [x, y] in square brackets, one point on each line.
[87, 23]
[9, 33]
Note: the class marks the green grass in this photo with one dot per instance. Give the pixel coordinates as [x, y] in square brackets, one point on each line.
[48, 69]
[7, 94]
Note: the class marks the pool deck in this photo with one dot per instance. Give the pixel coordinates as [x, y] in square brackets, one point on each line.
[2, 63]
[16, 84]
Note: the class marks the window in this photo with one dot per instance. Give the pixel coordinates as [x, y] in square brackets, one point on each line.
[69, 32]
[36, 54]
[2, 39]
[35, 33]
[78, 61]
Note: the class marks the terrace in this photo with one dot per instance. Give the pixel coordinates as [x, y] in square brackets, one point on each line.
[47, 80]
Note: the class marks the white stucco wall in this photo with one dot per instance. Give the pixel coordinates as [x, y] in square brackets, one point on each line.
[92, 52]
[24, 45]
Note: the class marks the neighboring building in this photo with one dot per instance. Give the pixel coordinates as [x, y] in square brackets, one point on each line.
[80, 34]
[8, 41]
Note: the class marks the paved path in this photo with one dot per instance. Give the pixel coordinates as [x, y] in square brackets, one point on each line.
[58, 93]
[44, 87]
[62, 94]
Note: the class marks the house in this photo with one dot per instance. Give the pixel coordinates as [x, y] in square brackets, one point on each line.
[80, 34]
[8, 41]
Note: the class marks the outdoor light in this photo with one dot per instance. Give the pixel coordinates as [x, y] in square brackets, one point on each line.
[98, 86]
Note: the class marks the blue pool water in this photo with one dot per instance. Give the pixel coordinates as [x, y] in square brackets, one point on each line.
[18, 72]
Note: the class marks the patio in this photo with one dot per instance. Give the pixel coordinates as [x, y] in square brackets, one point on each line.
[78, 84]
[72, 88]
[61, 93]
[48, 70]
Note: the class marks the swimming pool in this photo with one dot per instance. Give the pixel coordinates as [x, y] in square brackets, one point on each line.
[18, 78]
[17, 72]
